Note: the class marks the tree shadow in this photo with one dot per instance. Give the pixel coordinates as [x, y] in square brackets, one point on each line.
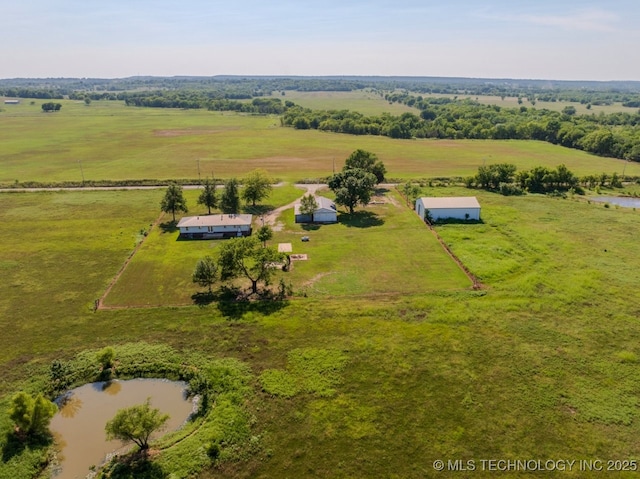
[311, 226]
[169, 226]
[360, 219]
[14, 445]
[135, 466]
[203, 298]
[233, 303]
[381, 190]
[257, 210]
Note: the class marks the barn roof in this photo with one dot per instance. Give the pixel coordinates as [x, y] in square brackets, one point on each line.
[215, 220]
[450, 202]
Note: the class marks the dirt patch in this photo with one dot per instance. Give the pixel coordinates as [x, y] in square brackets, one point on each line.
[186, 132]
[317, 278]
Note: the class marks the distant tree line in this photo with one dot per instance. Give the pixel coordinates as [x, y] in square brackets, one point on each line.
[615, 135]
[237, 87]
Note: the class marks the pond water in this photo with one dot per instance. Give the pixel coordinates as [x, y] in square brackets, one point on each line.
[624, 201]
[78, 427]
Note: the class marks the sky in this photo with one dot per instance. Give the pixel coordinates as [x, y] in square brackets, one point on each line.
[523, 39]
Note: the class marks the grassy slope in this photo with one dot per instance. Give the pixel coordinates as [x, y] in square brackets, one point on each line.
[111, 141]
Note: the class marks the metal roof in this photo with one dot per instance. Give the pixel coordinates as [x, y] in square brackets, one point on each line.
[215, 220]
[325, 205]
[450, 202]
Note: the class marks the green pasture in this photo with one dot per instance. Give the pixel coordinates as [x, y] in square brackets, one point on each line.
[540, 364]
[512, 102]
[109, 141]
[366, 102]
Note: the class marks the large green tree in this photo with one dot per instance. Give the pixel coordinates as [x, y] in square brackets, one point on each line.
[230, 200]
[246, 257]
[208, 196]
[365, 160]
[352, 187]
[256, 186]
[174, 200]
[206, 272]
[31, 416]
[136, 424]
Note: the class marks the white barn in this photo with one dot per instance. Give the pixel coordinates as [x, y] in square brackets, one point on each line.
[455, 207]
[326, 212]
[215, 226]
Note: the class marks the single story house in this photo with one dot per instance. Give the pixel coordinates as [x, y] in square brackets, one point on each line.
[455, 207]
[215, 226]
[11, 101]
[326, 212]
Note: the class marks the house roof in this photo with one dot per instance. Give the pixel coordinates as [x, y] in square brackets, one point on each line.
[215, 220]
[325, 205]
[450, 202]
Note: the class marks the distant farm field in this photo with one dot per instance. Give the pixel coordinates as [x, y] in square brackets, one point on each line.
[109, 141]
[512, 102]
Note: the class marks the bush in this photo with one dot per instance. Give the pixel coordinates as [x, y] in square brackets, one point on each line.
[510, 189]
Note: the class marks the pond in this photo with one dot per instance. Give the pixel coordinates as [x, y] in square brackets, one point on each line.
[78, 427]
[624, 201]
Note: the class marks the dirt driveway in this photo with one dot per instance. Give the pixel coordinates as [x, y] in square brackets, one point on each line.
[271, 218]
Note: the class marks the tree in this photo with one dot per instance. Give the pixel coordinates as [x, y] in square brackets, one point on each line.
[264, 234]
[245, 257]
[31, 416]
[352, 186]
[257, 186]
[173, 200]
[367, 161]
[136, 424]
[206, 272]
[105, 357]
[308, 205]
[50, 106]
[230, 199]
[208, 195]
[411, 191]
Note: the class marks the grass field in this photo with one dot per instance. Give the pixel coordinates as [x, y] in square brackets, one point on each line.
[543, 363]
[108, 140]
[512, 102]
[384, 360]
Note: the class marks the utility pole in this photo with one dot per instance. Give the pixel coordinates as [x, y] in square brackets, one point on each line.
[198, 160]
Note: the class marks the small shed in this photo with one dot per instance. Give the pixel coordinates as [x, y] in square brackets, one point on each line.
[215, 226]
[326, 212]
[453, 207]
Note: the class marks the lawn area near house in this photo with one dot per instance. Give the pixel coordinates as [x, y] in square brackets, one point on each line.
[383, 249]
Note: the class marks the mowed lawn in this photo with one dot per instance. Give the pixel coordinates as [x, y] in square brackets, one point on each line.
[109, 141]
[383, 249]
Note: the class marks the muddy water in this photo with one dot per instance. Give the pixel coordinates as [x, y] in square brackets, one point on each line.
[79, 424]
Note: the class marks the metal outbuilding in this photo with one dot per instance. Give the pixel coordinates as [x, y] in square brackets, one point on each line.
[453, 207]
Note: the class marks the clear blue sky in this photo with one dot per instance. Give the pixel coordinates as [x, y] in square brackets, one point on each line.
[542, 39]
